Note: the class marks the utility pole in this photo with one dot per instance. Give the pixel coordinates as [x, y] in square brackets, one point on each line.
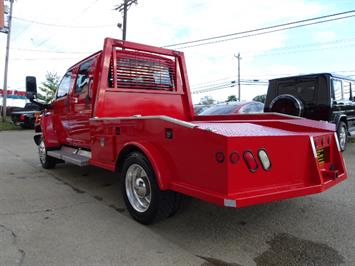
[7, 63]
[123, 8]
[124, 30]
[239, 58]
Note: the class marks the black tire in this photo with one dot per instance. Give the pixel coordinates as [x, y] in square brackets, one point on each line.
[47, 162]
[342, 132]
[145, 202]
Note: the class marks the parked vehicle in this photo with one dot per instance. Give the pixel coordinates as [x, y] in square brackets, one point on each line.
[199, 108]
[25, 117]
[128, 109]
[323, 96]
[235, 108]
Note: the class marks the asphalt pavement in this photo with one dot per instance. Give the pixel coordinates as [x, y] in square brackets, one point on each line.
[76, 216]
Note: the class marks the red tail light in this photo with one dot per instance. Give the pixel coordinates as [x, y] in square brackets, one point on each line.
[250, 161]
[22, 117]
[234, 157]
[220, 157]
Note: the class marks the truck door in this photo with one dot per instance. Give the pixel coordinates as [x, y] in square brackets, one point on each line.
[61, 107]
[81, 104]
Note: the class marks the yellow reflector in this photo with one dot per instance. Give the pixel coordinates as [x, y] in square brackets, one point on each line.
[320, 156]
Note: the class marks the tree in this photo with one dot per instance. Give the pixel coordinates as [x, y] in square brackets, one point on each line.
[207, 100]
[231, 98]
[48, 88]
[260, 98]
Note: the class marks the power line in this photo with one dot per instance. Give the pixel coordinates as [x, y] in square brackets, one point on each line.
[26, 28]
[228, 84]
[223, 87]
[262, 33]
[50, 51]
[211, 81]
[43, 59]
[273, 52]
[304, 50]
[264, 30]
[300, 46]
[61, 25]
[77, 15]
[210, 85]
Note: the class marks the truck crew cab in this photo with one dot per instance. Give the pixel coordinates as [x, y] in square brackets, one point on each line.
[128, 109]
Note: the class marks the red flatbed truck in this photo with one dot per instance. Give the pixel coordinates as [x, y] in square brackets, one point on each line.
[128, 109]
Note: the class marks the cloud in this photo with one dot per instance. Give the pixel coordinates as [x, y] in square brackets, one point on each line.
[324, 36]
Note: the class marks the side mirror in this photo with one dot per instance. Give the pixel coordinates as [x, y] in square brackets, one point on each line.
[31, 87]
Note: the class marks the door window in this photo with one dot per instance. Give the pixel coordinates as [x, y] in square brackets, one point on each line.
[338, 93]
[64, 86]
[353, 90]
[346, 90]
[83, 79]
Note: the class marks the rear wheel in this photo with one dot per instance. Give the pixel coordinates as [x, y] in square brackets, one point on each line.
[287, 104]
[144, 200]
[47, 162]
[342, 132]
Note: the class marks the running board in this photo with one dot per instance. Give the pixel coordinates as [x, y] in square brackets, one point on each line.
[71, 155]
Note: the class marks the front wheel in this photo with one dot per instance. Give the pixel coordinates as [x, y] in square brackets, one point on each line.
[47, 162]
[342, 132]
[144, 200]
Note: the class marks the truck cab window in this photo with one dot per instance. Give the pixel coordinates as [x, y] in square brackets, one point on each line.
[64, 85]
[143, 72]
[83, 78]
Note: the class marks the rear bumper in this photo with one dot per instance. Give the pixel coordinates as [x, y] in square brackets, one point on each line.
[281, 193]
[239, 200]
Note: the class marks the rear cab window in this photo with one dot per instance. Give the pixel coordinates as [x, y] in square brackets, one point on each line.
[137, 71]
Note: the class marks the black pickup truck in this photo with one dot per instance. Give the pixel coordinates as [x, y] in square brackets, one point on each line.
[323, 96]
[25, 117]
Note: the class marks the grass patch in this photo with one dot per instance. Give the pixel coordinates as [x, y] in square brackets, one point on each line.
[7, 125]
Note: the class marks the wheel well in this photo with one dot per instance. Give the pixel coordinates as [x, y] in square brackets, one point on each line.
[155, 161]
[343, 119]
[124, 153]
[38, 128]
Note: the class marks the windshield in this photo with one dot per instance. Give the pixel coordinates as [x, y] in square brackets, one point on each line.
[219, 110]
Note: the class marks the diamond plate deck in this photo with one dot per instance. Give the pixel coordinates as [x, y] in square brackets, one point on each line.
[246, 129]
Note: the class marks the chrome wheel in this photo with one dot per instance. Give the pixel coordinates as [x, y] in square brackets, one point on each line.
[138, 188]
[342, 137]
[42, 152]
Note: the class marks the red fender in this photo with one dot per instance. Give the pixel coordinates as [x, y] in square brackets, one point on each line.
[48, 131]
[160, 168]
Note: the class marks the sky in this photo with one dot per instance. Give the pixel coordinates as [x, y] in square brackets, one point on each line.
[49, 35]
